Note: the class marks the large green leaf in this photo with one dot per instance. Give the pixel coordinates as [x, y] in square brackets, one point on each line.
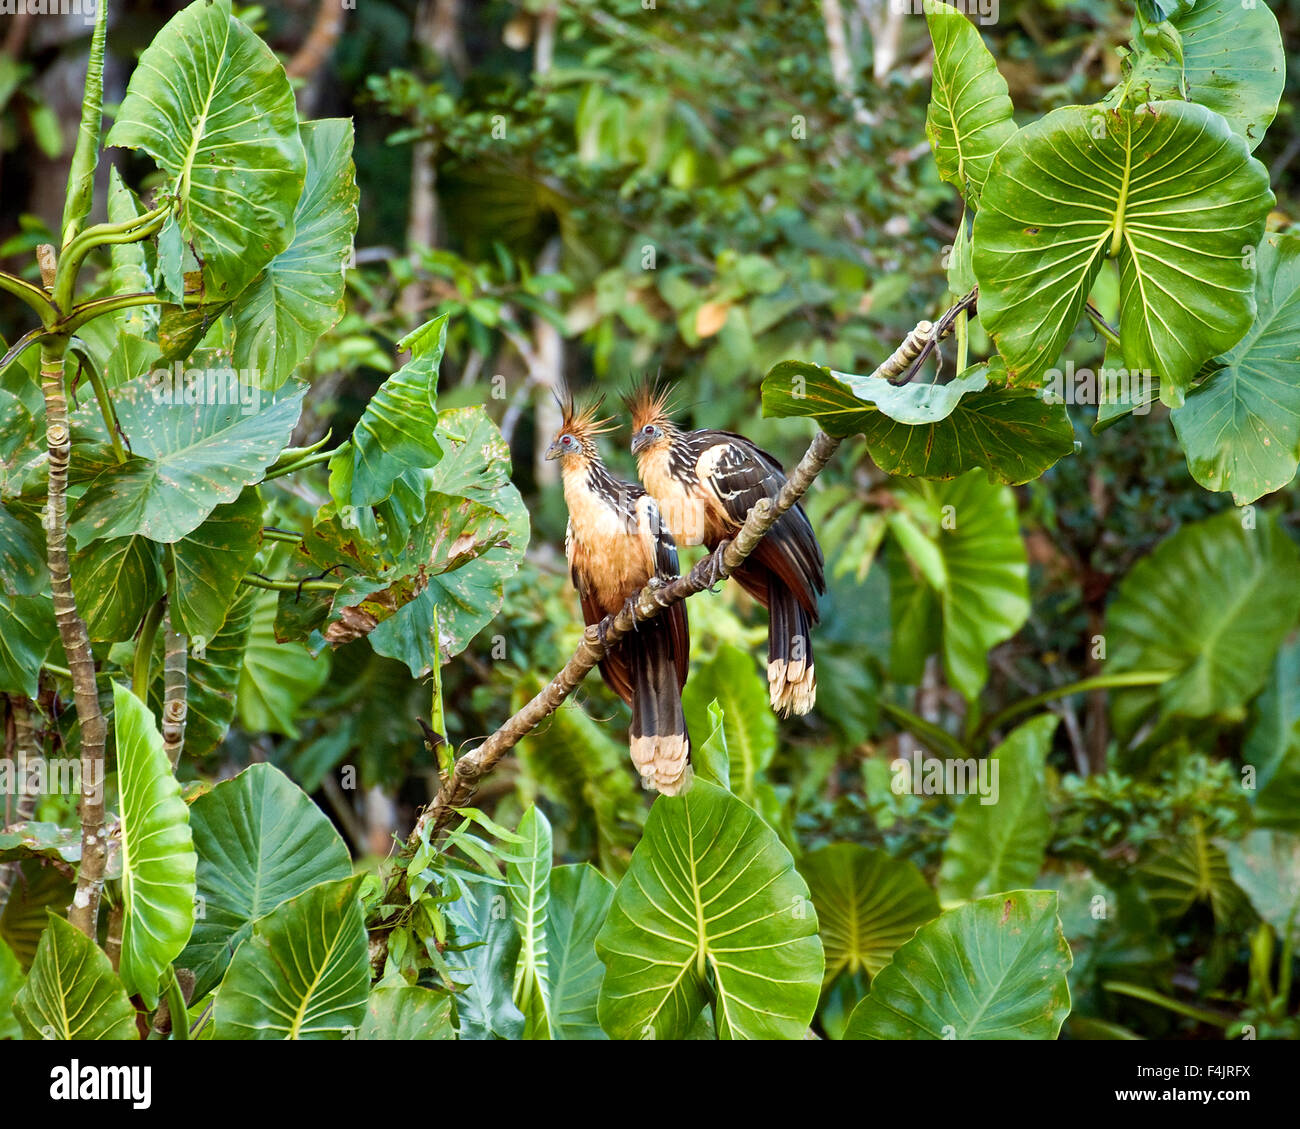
[275, 678]
[130, 272]
[187, 457]
[72, 992]
[11, 979]
[396, 432]
[528, 877]
[1266, 865]
[929, 430]
[1240, 427]
[27, 632]
[303, 973]
[977, 570]
[482, 968]
[260, 841]
[1169, 190]
[475, 464]
[998, 841]
[208, 564]
[116, 582]
[1211, 604]
[991, 969]
[281, 316]
[579, 900]
[22, 541]
[22, 546]
[1272, 746]
[733, 680]
[407, 1012]
[211, 104]
[711, 910]
[158, 859]
[867, 903]
[969, 117]
[1232, 62]
[1187, 869]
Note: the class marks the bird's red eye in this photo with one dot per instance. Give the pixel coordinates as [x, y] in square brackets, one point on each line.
[649, 429]
[569, 441]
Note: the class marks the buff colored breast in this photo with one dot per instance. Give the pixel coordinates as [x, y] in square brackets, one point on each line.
[608, 555]
[685, 515]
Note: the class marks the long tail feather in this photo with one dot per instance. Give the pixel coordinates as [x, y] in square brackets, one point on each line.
[660, 745]
[791, 679]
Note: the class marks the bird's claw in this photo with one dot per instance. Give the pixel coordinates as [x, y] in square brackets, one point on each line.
[713, 568]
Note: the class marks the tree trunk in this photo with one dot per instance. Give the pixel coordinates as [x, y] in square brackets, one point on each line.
[84, 912]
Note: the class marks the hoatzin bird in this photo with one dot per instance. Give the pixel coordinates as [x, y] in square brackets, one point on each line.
[706, 482]
[615, 544]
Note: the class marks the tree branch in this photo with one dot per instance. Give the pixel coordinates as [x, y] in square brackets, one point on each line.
[653, 599]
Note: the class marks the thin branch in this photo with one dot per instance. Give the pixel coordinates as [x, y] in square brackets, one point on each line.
[457, 791]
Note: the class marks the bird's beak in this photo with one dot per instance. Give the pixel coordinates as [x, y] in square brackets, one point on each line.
[639, 441]
[554, 451]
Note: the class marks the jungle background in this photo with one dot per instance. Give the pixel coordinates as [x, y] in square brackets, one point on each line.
[595, 191]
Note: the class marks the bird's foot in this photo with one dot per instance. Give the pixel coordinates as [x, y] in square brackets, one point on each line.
[713, 570]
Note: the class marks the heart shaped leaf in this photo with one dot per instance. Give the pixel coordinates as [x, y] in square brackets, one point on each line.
[1240, 427]
[1232, 62]
[969, 117]
[260, 841]
[999, 838]
[210, 102]
[991, 969]
[867, 903]
[189, 455]
[710, 910]
[579, 900]
[281, 316]
[72, 992]
[929, 430]
[303, 973]
[1169, 190]
[1210, 604]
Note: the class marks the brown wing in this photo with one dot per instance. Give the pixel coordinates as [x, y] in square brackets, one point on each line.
[738, 473]
[661, 546]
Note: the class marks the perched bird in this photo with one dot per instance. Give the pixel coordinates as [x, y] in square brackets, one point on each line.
[615, 544]
[706, 482]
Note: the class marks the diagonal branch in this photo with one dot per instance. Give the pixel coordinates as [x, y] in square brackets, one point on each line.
[457, 791]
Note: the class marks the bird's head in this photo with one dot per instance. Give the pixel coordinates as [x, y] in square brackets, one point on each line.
[576, 439]
[652, 428]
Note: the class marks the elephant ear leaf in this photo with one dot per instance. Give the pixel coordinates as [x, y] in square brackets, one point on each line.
[312, 951]
[158, 859]
[711, 910]
[991, 969]
[229, 142]
[970, 116]
[71, 991]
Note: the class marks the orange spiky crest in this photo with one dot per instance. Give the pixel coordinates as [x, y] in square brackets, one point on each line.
[649, 401]
[583, 424]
